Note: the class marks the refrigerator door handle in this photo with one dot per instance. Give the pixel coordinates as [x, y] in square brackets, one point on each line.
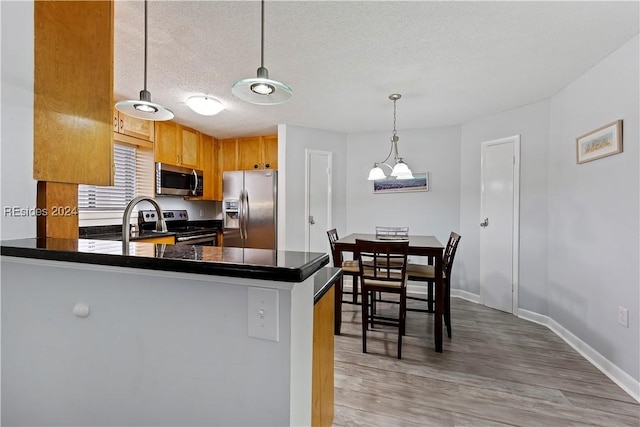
[241, 215]
[245, 213]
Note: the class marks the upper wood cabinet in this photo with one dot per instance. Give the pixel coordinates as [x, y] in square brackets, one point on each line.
[249, 153]
[270, 151]
[212, 188]
[73, 92]
[189, 147]
[177, 145]
[228, 157]
[252, 152]
[133, 127]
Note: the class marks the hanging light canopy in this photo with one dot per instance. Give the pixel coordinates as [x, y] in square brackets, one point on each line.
[400, 170]
[262, 90]
[143, 108]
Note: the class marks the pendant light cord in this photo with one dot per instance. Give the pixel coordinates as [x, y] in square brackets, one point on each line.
[394, 137]
[145, 45]
[261, 38]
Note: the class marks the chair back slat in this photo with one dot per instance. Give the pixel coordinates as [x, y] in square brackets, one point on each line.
[333, 236]
[382, 261]
[450, 252]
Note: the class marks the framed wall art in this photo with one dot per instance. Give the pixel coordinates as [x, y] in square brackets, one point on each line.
[420, 182]
[600, 143]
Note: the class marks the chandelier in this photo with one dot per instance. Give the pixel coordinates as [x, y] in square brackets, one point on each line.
[400, 170]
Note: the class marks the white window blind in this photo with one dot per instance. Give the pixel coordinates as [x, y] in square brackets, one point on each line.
[134, 177]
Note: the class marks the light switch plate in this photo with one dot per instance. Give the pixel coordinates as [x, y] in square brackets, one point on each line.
[264, 314]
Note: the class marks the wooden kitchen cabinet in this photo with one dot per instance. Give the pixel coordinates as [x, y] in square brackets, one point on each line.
[177, 145]
[251, 152]
[270, 151]
[163, 240]
[228, 158]
[133, 127]
[212, 188]
[189, 147]
[73, 92]
[322, 386]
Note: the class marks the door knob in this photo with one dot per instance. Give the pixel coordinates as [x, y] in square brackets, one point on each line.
[311, 220]
[485, 222]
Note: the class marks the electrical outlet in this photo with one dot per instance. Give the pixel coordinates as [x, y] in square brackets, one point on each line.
[623, 316]
[264, 316]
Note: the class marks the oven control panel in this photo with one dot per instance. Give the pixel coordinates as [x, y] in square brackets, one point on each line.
[152, 216]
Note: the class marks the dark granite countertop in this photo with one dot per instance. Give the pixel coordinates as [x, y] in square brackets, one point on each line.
[262, 264]
[323, 280]
[114, 232]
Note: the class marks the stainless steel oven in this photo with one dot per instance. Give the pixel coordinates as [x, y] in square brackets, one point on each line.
[178, 222]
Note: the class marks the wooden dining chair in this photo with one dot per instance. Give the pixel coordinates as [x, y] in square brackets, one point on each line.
[383, 268]
[426, 273]
[349, 268]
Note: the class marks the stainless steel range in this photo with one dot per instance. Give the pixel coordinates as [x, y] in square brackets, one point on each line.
[178, 223]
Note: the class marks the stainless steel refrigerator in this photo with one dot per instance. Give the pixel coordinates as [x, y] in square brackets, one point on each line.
[249, 208]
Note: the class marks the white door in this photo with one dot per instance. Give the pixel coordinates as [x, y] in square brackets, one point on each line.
[318, 200]
[499, 221]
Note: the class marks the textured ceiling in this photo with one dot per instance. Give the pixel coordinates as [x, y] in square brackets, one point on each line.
[452, 61]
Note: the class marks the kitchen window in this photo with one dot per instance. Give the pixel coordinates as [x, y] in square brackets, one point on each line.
[134, 174]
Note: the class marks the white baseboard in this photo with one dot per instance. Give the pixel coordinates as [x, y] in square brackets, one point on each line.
[459, 293]
[625, 381]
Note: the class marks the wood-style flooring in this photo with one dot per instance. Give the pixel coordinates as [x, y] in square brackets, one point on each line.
[496, 370]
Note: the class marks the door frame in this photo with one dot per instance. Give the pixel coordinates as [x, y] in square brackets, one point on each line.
[515, 270]
[307, 199]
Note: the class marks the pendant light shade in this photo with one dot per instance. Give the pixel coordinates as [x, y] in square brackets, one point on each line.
[261, 90]
[143, 108]
[400, 170]
[376, 173]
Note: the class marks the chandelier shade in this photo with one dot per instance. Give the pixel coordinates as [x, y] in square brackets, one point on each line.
[400, 170]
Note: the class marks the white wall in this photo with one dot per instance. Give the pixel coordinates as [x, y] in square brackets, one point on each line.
[594, 211]
[294, 140]
[158, 348]
[435, 212]
[531, 122]
[197, 210]
[18, 187]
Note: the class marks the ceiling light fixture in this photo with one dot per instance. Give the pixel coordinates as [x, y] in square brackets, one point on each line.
[262, 90]
[204, 105]
[400, 170]
[143, 108]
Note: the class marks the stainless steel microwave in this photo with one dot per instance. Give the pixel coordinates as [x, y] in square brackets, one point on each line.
[178, 181]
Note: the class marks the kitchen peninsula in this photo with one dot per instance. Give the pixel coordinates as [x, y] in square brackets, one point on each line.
[167, 335]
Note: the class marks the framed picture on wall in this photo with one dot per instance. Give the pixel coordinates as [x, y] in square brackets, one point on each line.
[599, 143]
[420, 182]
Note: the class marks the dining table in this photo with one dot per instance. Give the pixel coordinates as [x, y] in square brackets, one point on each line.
[426, 246]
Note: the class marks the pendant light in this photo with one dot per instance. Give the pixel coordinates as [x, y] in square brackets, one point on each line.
[400, 170]
[143, 108]
[262, 90]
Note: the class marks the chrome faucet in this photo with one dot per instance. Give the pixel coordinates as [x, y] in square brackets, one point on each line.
[161, 225]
